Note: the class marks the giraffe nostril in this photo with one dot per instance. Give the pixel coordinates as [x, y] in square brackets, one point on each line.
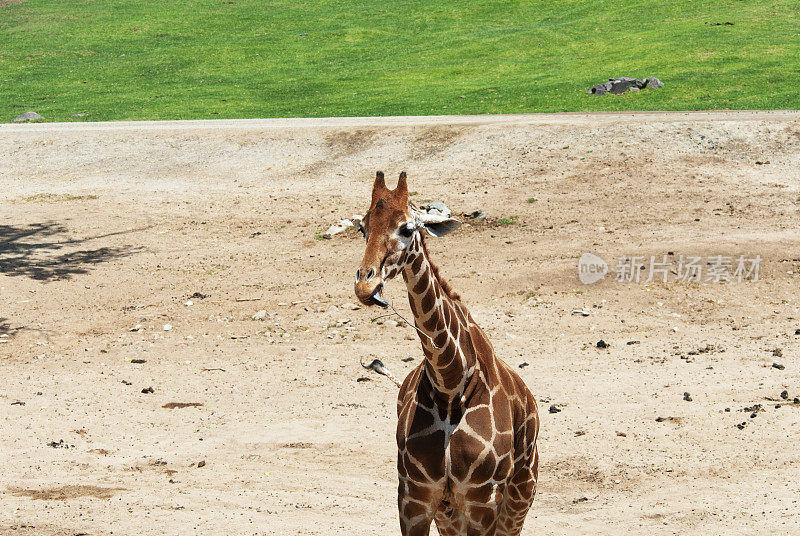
[371, 274]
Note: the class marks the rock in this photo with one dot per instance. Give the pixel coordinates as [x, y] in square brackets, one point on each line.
[778, 366]
[138, 361]
[797, 331]
[350, 306]
[339, 227]
[687, 397]
[629, 343]
[554, 409]
[785, 394]
[476, 215]
[580, 312]
[201, 463]
[777, 352]
[437, 208]
[260, 315]
[81, 114]
[188, 303]
[524, 364]
[167, 327]
[29, 117]
[147, 390]
[602, 344]
[619, 85]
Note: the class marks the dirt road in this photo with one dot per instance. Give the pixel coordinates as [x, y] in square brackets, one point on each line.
[133, 257]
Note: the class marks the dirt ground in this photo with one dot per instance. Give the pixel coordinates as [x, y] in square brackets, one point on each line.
[109, 231]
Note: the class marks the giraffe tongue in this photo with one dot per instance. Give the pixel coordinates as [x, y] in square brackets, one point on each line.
[377, 299]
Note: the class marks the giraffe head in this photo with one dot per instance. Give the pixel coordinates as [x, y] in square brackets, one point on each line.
[390, 227]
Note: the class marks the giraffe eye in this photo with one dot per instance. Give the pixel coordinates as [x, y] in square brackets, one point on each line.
[406, 231]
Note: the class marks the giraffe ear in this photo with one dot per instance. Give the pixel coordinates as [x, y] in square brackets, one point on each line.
[441, 228]
[436, 225]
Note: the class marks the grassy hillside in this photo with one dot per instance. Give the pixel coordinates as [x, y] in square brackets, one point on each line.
[143, 59]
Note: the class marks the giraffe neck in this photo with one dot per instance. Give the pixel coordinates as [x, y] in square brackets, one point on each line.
[441, 323]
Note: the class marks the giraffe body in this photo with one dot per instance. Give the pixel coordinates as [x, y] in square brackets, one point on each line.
[467, 424]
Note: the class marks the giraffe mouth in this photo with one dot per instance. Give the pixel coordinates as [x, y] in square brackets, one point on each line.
[377, 298]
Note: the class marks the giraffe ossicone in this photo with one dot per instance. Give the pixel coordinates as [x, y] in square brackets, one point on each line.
[467, 423]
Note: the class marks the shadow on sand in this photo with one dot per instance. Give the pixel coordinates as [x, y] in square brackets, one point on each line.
[37, 252]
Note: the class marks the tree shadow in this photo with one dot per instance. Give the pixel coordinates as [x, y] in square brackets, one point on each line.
[6, 329]
[36, 251]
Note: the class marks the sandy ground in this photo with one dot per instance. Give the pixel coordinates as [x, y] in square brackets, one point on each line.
[106, 230]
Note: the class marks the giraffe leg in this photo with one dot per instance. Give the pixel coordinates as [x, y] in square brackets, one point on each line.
[416, 504]
[519, 498]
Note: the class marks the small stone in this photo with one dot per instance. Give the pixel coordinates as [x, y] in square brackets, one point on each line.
[147, 390]
[777, 352]
[201, 463]
[188, 303]
[602, 344]
[741, 425]
[632, 342]
[29, 117]
[81, 114]
[554, 409]
[167, 327]
[653, 82]
[338, 227]
[260, 315]
[687, 397]
[778, 366]
[524, 364]
[785, 394]
[476, 215]
[622, 434]
[138, 361]
[351, 306]
[437, 208]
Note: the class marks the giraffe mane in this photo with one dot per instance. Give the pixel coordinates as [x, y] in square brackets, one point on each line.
[448, 290]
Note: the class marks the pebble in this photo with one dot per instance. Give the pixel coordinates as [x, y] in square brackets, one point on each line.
[147, 390]
[777, 352]
[188, 303]
[167, 327]
[351, 306]
[602, 344]
[554, 409]
[260, 315]
[797, 331]
[524, 364]
[687, 397]
[785, 394]
[778, 366]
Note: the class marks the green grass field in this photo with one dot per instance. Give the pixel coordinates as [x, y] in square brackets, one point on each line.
[125, 59]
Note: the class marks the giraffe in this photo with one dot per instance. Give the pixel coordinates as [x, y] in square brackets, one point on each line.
[467, 424]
